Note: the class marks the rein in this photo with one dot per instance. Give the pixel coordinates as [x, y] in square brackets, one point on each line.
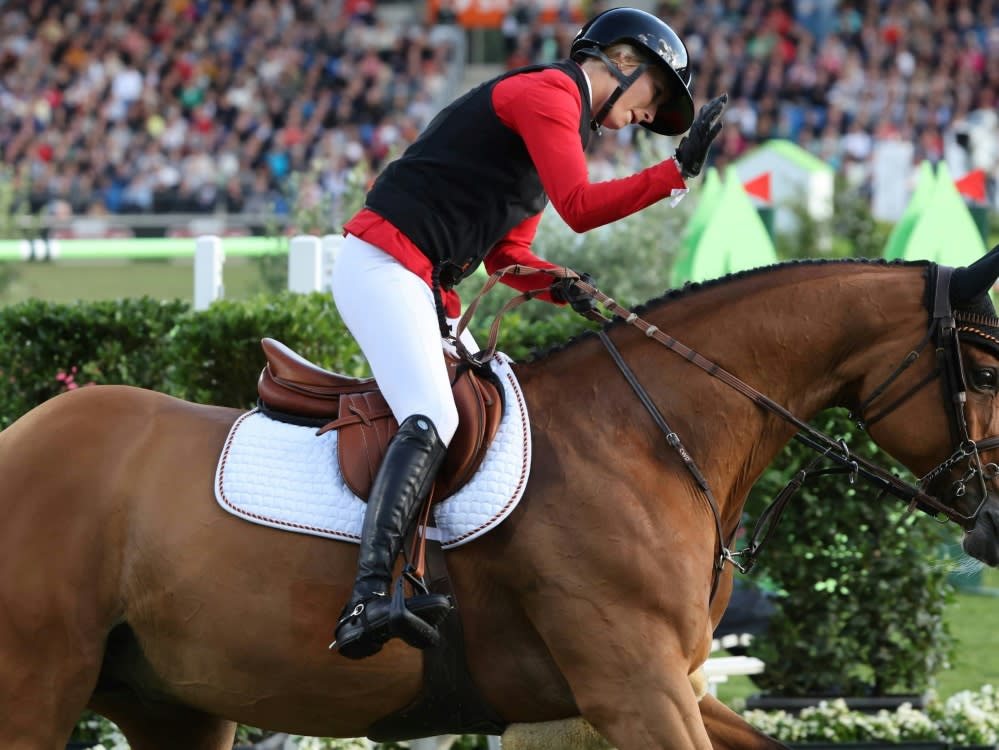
[942, 332]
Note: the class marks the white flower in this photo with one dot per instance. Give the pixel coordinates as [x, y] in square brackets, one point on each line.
[966, 718]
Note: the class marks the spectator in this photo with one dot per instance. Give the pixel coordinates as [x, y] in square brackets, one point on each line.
[104, 105]
[179, 106]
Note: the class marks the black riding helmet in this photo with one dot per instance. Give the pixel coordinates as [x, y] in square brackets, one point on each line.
[646, 32]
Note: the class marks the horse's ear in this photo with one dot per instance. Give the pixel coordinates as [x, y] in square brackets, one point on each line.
[972, 281]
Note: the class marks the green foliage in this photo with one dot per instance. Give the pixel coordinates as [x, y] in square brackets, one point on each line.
[8, 276]
[525, 331]
[851, 232]
[855, 225]
[51, 347]
[208, 356]
[810, 238]
[861, 601]
[14, 207]
[216, 354]
[273, 270]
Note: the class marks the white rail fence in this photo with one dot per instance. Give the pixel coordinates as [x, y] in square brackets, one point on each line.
[310, 262]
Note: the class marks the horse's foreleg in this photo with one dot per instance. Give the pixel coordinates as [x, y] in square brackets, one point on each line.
[625, 687]
[729, 731]
[726, 729]
[163, 726]
[47, 670]
[40, 700]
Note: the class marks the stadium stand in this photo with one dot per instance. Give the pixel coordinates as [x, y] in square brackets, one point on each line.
[160, 106]
[245, 106]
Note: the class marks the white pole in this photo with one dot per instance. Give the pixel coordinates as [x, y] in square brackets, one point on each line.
[208, 261]
[305, 264]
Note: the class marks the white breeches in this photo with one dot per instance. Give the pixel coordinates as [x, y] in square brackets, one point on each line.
[391, 313]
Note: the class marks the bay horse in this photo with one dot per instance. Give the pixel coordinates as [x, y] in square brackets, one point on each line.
[127, 589]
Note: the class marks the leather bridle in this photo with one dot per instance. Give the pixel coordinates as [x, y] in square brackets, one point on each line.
[942, 333]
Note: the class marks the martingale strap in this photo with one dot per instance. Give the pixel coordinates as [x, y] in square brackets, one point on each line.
[674, 441]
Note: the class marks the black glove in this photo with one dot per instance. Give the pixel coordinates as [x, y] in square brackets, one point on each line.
[693, 148]
[565, 290]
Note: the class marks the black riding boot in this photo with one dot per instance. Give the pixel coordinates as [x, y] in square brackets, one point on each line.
[371, 617]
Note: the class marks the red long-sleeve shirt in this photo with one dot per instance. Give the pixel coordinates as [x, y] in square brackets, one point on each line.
[544, 109]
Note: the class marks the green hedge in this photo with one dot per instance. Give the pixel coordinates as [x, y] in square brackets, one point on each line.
[48, 347]
[860, 587]
[215, 355]
[210, 356]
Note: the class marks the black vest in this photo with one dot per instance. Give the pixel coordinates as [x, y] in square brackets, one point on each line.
[467, 180]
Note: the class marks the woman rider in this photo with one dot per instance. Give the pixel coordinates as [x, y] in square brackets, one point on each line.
[471, 189]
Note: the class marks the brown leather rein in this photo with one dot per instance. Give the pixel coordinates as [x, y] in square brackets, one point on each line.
[942, 332]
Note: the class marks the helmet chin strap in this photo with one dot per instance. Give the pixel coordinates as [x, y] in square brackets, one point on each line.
[623, 82]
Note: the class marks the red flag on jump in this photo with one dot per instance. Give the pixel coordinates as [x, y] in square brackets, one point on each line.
[972, 186]
[759, 187]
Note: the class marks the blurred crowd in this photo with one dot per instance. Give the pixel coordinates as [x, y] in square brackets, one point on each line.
[202, 105]
[834, 76]
[157, 106]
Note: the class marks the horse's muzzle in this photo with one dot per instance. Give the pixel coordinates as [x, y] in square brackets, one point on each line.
[982, 540]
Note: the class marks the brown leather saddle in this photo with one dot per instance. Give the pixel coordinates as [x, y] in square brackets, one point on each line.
[292, 389]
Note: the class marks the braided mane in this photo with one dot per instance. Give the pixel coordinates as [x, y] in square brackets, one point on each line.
[693, 287]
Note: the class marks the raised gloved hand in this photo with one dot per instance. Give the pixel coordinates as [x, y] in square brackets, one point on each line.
[565, 290]
[693, 148]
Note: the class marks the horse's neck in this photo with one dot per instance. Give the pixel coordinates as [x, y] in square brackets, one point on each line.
[805, 337]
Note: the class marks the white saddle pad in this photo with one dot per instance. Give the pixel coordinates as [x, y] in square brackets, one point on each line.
[286, 476]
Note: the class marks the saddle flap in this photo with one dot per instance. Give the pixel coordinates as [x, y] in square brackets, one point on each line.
[365, 426]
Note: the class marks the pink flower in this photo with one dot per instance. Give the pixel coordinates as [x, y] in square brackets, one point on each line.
[68, 380]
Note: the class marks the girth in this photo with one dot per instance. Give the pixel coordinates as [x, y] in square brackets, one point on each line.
[292, 389]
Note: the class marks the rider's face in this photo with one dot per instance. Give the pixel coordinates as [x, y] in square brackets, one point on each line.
[640, 101]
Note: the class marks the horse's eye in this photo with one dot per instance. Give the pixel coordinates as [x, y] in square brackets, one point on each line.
[984, 378]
